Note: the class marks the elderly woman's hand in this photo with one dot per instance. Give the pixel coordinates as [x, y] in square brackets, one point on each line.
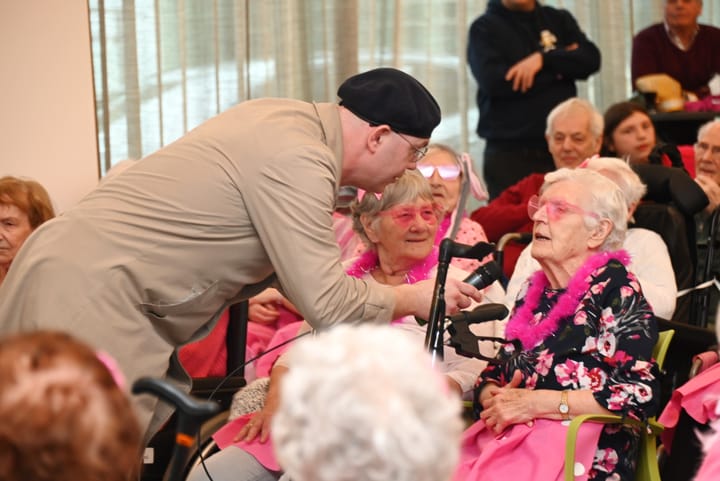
[263, 308]
[259, 424]
[508, 405]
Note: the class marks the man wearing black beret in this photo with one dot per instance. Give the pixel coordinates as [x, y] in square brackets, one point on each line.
[151, 258]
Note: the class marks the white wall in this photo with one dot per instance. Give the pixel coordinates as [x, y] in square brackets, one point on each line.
[47, 118]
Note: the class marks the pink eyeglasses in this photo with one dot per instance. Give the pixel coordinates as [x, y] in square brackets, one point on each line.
[446, 172]
[404, 215]
[556, 208]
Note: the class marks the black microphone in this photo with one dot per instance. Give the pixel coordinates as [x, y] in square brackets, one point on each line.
[484, 275]
[483, 313]
[449, 248]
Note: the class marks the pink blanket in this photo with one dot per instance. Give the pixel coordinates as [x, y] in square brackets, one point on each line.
[263, 452]
[698, 397]
[523, 452]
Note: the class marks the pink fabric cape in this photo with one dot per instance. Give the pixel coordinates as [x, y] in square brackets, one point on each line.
[263, 452]
[698, 397]
[524, 453]
[521, 452]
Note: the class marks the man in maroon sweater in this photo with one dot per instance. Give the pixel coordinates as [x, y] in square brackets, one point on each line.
[574, 133]
[679, 47]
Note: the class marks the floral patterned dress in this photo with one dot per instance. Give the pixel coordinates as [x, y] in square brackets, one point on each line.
[605, 345]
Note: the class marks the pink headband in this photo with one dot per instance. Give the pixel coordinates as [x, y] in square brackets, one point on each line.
[476, 185]
[361, 193]
[112, 366]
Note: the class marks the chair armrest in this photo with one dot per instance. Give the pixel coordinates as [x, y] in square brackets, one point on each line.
[653, 427]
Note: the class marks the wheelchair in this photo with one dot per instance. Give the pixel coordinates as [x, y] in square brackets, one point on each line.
[164, 460]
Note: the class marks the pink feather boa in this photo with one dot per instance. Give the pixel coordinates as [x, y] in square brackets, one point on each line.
[531, 331]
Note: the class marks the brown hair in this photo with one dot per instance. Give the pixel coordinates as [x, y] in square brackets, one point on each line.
[614, 116]
[29, 196]
[63, 416]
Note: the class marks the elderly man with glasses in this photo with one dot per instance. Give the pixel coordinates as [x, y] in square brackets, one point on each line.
[707, 175]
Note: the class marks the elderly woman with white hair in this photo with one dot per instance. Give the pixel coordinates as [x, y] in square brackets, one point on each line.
[583, 336]
[363, 403]
[649, 257]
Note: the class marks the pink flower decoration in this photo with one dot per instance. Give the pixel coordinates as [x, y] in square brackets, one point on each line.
[594, 379]
[607, 344]
[544, 362]
[568, 373]
[606, 459]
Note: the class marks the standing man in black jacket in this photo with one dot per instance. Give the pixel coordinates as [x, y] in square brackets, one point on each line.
[526, 58]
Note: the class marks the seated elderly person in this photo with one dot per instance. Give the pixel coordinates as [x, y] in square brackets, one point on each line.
[707, 167]
[583, 336]
[649, 258]
[24, 205]
[64, 416]
[574, 133]
[452, 179]
[363, 403]
[400, 227]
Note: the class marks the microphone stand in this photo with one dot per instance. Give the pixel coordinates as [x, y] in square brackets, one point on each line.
[434, 333]
[436, 323]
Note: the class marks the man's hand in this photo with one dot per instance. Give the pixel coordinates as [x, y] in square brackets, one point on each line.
[416, 299]
[711, 189]
[522, 74]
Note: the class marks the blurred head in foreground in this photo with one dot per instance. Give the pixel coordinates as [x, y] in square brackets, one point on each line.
[64, 417]
[363, 403]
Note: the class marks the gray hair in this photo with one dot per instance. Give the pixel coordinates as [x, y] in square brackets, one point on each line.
[707, 126]
[619, 172]
[408, 188]
[606, 200]
[448, 150]
[597, 123]
[363, 403]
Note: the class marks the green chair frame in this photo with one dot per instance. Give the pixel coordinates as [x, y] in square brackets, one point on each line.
[647, 466]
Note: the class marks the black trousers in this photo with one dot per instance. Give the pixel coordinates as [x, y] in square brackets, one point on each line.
[504, 164]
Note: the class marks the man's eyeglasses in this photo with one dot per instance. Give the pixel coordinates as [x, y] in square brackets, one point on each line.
[404, 215]
[419, 152]
[703, 147]
[446, 172]
[556, 208]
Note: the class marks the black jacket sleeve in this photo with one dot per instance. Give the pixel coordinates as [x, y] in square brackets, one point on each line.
[672, 184]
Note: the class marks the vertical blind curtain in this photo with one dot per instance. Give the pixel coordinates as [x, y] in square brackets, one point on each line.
[164, 66]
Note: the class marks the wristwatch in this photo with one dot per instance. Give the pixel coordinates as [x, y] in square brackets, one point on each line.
[564, 408]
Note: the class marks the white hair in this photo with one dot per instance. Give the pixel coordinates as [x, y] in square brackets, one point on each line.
[363, 403]
[597, 123]
[619, 172]
[707, 126]
[606, 200]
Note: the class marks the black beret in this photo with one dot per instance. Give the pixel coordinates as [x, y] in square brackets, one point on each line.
[391, 97]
